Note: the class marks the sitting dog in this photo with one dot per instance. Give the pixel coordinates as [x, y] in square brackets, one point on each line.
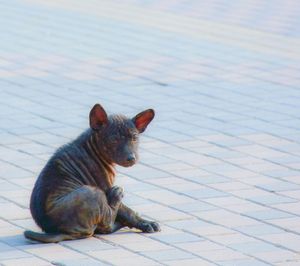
[74, 196]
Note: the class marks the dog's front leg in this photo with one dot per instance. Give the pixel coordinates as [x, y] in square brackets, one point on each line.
[130, 218]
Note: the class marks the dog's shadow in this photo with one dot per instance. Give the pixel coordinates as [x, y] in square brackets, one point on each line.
[18, 245]
[19, 241]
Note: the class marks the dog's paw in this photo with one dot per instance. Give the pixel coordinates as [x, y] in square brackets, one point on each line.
[115, 195]
[148, 226]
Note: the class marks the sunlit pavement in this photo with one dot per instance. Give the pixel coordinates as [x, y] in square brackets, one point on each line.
[219, 165]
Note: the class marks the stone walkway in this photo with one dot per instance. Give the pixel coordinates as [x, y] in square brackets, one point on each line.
[220, 165]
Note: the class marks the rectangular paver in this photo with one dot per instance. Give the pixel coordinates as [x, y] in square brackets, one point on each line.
[220, 164]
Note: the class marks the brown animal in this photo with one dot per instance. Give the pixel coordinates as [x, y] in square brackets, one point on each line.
[74, 196]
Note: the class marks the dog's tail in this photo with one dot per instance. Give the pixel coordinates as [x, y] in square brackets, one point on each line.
[47, 237]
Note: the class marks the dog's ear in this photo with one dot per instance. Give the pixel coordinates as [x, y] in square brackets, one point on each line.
[98, 117]
[143, 119]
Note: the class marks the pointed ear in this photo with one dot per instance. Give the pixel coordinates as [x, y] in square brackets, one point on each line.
[143, 119]
[98, 117]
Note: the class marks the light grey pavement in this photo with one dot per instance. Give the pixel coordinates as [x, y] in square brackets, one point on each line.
[220, 164]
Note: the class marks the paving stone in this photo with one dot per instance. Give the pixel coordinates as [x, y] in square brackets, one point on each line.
[286, 222]
[13, 254]
[161, 196]
[197, 261]
[13, 211]
[272, 199]
[291, 263]
[162, 213]
[187, 223]
[137, 260]
[254, 247]
[228, 239]
[212, 179]
[88, 244]
[268, 214]
[222, 255]
[147, 245]
[292, 194]
[278, 256]
[210, 230]
[245, 208]
[109, 255]
[170, 254]
[261, 229]
[52, 252]
[177, 238]
[220, 163]
[78, 262]
[280, 186]
[226, 201]
[244, 262]
[184, 186]
[198, 247]
[289, 207]
[226, 218]
[194, 206]
[206, 193]
[25, 261]
[292, 240]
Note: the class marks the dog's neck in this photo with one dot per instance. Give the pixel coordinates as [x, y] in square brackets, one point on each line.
[90, 142]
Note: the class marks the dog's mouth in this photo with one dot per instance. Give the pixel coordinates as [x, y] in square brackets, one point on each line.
[127, 164]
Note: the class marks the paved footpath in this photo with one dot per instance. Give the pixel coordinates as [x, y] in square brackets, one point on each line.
[220, 165]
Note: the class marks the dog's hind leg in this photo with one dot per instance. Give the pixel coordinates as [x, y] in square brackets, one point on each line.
[76, 215]
[108, 223]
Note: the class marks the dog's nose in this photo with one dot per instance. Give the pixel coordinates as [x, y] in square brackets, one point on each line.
[131, 158]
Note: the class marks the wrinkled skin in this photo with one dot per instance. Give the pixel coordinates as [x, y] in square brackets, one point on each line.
[74, 196]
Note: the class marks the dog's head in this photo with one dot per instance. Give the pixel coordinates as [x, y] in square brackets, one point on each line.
[117, 136]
